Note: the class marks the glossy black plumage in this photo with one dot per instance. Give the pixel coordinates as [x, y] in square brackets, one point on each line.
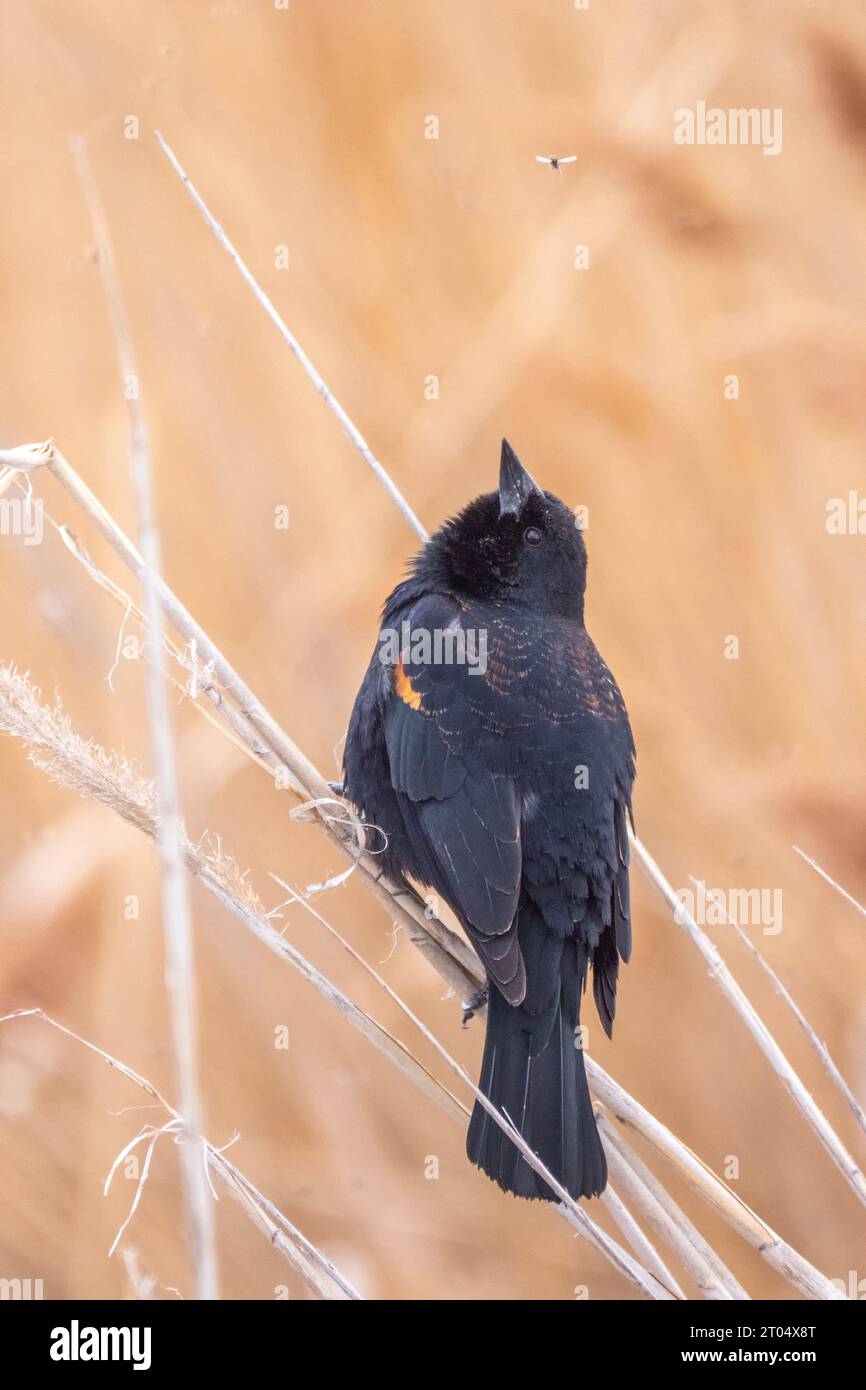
[504, 783]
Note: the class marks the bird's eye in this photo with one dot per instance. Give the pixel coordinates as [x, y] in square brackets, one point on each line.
[532, 535]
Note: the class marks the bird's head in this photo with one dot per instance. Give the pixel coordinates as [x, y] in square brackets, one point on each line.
[518, 545]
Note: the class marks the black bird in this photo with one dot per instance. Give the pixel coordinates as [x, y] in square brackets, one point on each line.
[503, 780]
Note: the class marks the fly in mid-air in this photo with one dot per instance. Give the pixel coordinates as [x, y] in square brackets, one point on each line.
[556, 161]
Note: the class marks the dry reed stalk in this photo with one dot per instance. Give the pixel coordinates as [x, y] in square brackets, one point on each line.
[176, 913]
[640, 1243]
[666, 1218]
[775, 1251]
[411, 1067]
[714, 1279]
[56, 749]
[583, 1223]
[622, 1216]
[294, 346]
[317, 1271]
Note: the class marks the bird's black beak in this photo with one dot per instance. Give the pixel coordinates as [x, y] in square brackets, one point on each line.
[515, 484]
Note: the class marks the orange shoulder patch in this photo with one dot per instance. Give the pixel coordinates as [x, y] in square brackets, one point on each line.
[404, 687]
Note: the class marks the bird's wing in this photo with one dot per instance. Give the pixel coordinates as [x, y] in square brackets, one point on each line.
[462, 819]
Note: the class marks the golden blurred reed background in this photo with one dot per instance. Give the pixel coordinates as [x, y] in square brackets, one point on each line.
[454, 258]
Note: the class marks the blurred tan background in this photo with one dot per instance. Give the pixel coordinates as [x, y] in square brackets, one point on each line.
[453, 258]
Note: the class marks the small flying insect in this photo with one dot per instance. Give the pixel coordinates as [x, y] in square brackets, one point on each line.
[556, 161]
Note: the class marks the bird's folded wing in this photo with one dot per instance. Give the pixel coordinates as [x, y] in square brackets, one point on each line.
[463, 822]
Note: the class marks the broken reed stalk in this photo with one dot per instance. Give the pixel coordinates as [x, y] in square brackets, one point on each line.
[832, 1143]
[176, 914]
[57, 750]
[316, 1270]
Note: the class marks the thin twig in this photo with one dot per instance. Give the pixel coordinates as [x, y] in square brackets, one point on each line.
[832, 882]
[819, 1046]
[176, 914]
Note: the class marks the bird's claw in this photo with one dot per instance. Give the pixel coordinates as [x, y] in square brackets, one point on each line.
[471, 1006]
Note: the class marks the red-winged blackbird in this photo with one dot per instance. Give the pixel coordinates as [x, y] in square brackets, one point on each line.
[491, 746]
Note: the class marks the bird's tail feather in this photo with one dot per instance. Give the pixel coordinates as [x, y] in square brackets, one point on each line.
[545, 1093]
